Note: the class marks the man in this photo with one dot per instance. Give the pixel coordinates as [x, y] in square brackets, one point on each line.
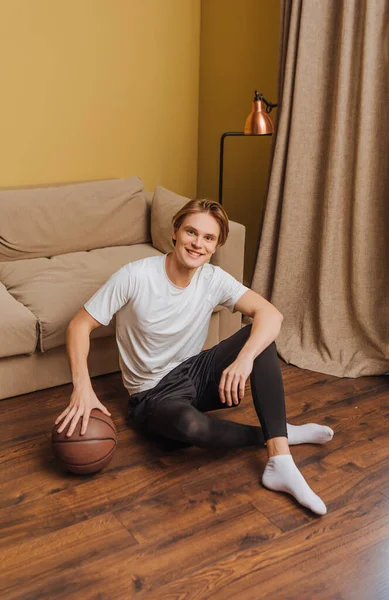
[163, 305]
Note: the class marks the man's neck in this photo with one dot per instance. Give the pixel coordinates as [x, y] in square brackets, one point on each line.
[178, 274]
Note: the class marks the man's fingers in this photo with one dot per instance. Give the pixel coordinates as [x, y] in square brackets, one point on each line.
[227, 389]
[73, 424]
[105, 410]
[62, 415]
[67, 419]
[85, 421]
[234, 389]
[242, 386]
[221, 388]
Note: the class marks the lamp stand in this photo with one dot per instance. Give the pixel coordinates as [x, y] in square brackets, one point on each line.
[221, 162]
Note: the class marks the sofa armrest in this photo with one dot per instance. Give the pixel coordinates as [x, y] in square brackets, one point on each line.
[230, 257]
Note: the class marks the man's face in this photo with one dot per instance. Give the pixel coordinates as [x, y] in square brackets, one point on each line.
[196, 239]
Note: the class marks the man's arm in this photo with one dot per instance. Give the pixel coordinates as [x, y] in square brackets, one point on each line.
[265, 328]
[83, 398]
[78, 345]
[266, 322]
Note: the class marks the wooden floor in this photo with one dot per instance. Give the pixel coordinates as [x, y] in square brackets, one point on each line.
[192, 524]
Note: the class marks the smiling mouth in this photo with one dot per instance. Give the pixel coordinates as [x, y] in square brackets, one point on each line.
[193, 253]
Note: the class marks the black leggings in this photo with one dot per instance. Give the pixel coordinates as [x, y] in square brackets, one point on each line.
[175, 407]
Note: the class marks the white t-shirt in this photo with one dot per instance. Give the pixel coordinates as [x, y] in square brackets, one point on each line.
[159, 325]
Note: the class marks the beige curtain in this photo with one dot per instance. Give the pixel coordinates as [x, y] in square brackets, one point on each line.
[323, 257]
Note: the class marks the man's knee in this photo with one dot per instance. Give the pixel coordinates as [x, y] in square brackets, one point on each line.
[246, 330]
[241, 336]
[189, 427]
[269, 353]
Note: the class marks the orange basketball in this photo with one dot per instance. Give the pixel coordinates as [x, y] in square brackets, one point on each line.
[86, 453]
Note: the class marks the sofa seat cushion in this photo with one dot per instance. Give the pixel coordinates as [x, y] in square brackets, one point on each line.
[54, 289]
[18, 327]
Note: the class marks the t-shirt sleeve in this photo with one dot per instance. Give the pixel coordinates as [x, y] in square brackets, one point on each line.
[112, 296]
[228, 289]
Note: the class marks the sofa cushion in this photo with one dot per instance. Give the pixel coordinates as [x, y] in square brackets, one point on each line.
[48, 221]
[164, 206]
[54, 289]
[18, 327]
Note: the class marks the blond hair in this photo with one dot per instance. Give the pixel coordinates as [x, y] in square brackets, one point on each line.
[204, 206]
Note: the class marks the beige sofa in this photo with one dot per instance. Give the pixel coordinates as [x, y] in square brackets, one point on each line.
[58, 245]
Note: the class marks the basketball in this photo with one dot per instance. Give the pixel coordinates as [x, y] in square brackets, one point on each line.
[86, 453]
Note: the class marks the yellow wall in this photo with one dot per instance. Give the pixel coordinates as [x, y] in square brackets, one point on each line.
[239, 53]
[99, 88]
[107, 88]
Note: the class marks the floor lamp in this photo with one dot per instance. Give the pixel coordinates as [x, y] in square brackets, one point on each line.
[257, 123]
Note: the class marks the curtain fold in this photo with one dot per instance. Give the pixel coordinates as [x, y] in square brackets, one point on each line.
[323, 256]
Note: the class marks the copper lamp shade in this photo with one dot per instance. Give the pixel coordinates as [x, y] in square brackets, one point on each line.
[258, 122]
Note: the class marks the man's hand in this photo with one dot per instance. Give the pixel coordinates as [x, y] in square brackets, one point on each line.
[82, 401]
[233, 380]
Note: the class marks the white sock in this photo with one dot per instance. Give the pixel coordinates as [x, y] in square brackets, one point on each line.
[310, 433]
[282, 475]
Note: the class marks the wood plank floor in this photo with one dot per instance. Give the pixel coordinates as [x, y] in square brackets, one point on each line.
[190, 524]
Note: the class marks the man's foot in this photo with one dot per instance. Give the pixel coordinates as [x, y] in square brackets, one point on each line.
[310, 433]
[282, 475]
